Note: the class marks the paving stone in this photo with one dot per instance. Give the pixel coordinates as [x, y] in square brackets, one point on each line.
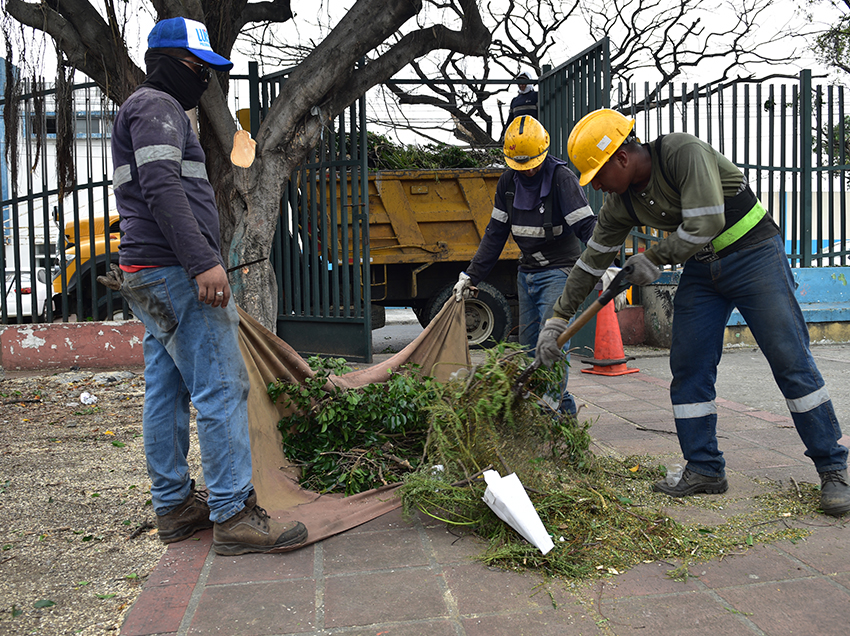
[730, 441]
[780, 437]
[182, 561]
[451, 545]
[758, 564]
[802, 472]
[642, 580]
[808, 606]
[389, 521]
[410, 628]
[363, 551]
[405, 595]
[825, 550]
[655, 445]
[742, 485]
[378, 578]
[616, 430]
[258, 609]
[262, 567]
[158, 610]
[653, 417]
[566, 621]
[732, 422]
[756, 458]
[686, 614]
[843, 580]
[478, 589]
[691, 515]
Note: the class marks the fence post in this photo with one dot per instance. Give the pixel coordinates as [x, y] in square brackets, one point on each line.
[806, 167]
[254, 96]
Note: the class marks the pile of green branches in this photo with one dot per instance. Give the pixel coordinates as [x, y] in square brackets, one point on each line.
[351, 440]
[383, 154]
[480, 421]
[438, 439]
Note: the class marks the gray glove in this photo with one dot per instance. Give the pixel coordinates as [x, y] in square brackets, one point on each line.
[645, 271]
[461, 288]
[548, 350]
[621, 299]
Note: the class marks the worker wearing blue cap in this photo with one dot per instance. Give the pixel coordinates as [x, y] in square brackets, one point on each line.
[176, 283]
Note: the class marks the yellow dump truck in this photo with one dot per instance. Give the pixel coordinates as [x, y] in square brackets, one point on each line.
[87, 252]
[424, 227]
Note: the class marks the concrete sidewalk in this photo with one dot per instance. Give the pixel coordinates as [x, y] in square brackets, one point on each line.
[394, 578]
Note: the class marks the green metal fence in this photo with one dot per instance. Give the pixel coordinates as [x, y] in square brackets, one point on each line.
[799, 171]
[321, 248]
[569, 92]
[55, 247]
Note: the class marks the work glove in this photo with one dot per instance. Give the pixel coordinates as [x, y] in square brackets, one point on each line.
[548, 350]
[645, 271]
[620, 300]
[461, 288]
[113, 278]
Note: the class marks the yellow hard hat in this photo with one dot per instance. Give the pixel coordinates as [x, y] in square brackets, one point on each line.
[526, 143]
[595, 138]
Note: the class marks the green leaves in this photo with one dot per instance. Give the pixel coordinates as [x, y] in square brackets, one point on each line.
[353, 440]
[45, 602]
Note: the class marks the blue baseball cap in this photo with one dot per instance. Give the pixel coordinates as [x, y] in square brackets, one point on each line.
[182, 33]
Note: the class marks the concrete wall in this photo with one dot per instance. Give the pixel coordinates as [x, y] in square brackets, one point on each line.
[823, 294]
[100, 345]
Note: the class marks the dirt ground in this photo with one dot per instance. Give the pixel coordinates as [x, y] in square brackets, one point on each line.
[77, 537]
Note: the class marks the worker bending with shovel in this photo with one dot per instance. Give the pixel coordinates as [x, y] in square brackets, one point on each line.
[540, 203]
[734, 257]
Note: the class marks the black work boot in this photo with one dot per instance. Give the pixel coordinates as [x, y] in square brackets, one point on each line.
[692, 483]
[835, 492]
[186, 519]
[252, 530]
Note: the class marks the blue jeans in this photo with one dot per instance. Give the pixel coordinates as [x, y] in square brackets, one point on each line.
[191, 352]
[758, 281]
[538, 292]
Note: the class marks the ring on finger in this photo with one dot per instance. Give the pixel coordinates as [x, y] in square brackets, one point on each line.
[219, 293]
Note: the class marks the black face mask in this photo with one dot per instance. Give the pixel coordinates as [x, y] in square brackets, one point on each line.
[170, 75]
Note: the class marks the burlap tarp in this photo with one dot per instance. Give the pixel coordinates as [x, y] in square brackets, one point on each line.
[439, 350]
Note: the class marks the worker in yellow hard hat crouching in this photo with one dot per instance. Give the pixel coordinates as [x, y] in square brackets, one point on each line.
[733, 256]
[540, 203]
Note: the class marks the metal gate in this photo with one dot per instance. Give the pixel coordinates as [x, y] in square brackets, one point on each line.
[321, 248]
[570, 91]
[566, 94]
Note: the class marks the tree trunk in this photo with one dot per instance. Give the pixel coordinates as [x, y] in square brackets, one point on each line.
[256, 206]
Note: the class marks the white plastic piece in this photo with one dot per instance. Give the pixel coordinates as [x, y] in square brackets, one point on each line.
[674, 475]
[507, 498]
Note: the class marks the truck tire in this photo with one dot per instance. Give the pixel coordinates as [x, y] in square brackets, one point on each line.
[488, 317]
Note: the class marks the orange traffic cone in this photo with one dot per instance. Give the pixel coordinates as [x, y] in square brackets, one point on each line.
[608, 355]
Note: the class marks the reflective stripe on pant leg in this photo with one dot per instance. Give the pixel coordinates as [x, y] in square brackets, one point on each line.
[699, 319]
[818, 428]
[696, 426]
[808, 402]
[764, 292]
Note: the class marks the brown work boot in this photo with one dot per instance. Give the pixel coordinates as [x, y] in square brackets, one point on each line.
[252, 530]
[186, 519]
[835, 492]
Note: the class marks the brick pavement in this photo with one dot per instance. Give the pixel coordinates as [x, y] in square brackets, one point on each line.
[393, 578]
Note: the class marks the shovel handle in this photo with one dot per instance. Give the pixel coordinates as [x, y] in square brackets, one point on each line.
[619, 284]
